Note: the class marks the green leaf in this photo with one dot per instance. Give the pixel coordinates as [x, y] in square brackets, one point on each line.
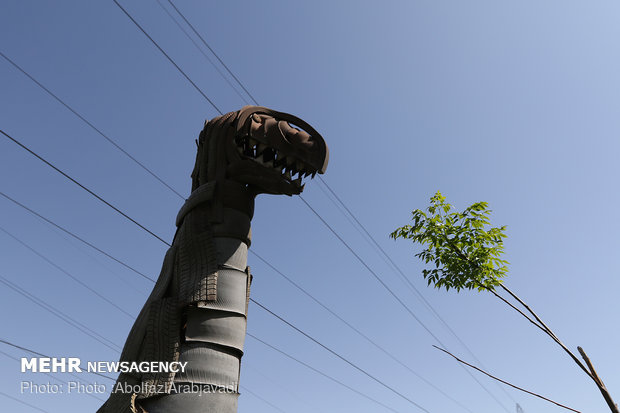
[465, 254]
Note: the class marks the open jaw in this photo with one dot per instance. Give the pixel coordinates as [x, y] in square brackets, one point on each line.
[274, 165]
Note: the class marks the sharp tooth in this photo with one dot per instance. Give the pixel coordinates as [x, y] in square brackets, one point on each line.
[307, 173]
[313, 174]
[287, 175]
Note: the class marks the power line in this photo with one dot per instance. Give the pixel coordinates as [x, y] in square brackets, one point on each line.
[372, 272]
[80, 185]
[213, 51]
[261, 399]
[66, 231]
[368, 339]
[64, 317]
[202, 52]
[67, 273]
[338, 355]
[169, 58]
[321, 373]
[22, 348]
[103, 135]
[23, 402]
[286, 390]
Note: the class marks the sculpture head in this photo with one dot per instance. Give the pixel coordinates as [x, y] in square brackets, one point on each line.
[267, 151]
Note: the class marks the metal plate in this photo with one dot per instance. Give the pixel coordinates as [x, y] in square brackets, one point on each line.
[231, 253]
[231, 292]
[209, 365]
[218, 327]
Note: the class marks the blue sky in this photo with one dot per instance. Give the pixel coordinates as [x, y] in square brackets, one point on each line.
[513, 103]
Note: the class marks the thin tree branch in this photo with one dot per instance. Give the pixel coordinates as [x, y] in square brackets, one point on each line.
[550, 333]
[527, 307]
[519, 311]
[505, 382]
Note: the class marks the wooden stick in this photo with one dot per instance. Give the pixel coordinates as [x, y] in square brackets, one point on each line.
[601, 386]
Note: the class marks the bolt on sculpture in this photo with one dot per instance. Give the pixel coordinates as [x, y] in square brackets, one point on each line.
[197, 310]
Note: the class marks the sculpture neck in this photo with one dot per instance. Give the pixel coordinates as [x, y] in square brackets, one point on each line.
[228, 206]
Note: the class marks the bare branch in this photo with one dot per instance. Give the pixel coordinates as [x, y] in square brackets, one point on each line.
[505, 382]
[527, 307]
[519, 311]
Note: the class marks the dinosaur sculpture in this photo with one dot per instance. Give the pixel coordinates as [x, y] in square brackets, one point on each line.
[197, 310]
